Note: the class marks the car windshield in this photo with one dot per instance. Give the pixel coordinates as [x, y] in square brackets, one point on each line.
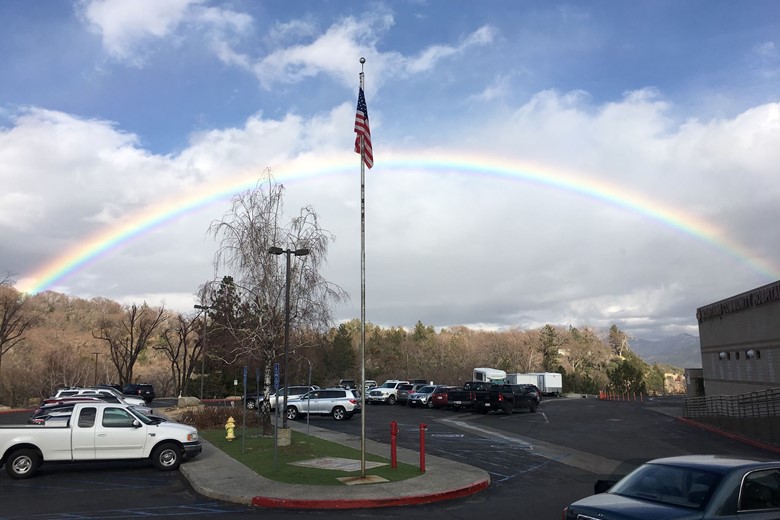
[143, 417]
[426, 390]
[389, 385]
[672, 485]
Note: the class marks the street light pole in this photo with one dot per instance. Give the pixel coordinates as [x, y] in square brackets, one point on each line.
[205, 309]
[287, 252]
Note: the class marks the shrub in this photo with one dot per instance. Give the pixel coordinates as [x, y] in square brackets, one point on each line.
[215, 417]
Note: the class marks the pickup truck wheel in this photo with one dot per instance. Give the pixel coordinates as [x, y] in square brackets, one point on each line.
[508, 408]
[391, 399]
[22, 464]
[292, 413]
[167, 456]
[339, 413]
[533, 407]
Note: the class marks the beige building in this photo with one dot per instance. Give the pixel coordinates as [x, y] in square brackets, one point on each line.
[740, 342]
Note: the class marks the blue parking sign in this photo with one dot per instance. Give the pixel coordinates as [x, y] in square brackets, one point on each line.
[276, 376]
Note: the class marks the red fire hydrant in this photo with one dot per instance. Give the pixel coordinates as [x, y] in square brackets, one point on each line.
[423, 429]
[393, 435]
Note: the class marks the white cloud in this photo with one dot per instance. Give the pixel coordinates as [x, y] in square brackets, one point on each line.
[126, 26]
[132, 30]
[463, 248]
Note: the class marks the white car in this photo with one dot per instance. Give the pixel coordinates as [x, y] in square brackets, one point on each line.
[101, 392]
[294, 391]
[387, 393]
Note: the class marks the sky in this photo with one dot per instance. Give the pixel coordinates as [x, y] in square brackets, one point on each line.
[578, 164]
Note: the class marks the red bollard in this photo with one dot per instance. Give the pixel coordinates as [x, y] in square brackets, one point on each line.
[393, 435]
[423, 429]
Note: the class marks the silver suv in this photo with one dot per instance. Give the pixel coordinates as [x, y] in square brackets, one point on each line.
[338, 402]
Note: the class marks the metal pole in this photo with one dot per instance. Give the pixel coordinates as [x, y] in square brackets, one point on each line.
[308, 405]
[286, 336]
[362, 297]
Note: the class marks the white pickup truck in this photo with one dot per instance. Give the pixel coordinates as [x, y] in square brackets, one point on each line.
[97, 431]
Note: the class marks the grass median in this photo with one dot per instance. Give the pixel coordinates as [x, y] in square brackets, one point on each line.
[257, 453]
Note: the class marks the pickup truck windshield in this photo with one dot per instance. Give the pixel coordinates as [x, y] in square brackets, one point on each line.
[143, 418]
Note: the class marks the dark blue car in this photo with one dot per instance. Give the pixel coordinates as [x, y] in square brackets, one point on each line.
[687, 488]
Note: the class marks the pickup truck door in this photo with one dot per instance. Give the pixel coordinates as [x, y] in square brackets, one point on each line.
[83, 433]
[118, 437]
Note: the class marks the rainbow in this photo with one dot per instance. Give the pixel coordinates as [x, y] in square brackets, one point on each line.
[93, 248]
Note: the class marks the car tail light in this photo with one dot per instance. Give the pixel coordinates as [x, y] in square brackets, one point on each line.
[353, 401]
[500, 397]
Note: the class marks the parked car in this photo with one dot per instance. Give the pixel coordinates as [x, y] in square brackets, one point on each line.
[294, 391]
[538, 392]
[143, 390]
[687, 487]
[98, 431]
[51, 410]
[106, 395]
[349, 384]
[525, 396]
[131, 399]
[337, 402]
[422, 396]
[387, 393]
[441, 394]
[402, 395]
[369, 385]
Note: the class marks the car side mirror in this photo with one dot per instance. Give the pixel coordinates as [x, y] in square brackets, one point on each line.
[136, 423]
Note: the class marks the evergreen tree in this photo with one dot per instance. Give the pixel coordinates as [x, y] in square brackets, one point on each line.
[550, 342]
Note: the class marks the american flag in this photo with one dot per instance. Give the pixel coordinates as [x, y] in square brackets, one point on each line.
[362, 130]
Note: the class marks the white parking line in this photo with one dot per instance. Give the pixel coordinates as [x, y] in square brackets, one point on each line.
[569, 456]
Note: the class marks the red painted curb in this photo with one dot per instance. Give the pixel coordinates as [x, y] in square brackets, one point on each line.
[366, 503]
[729, 435]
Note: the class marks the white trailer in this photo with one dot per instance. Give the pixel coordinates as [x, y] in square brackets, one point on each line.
[489, 375]
[522, 379]
[549, 382]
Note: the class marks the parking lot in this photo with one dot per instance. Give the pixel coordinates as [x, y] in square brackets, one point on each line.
[538, 462]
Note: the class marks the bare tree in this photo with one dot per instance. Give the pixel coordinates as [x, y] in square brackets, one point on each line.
[14, 319]
[254, 224]
[129, 337]
[180, 349]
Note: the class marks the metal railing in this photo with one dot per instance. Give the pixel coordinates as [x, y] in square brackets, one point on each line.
[755, 414]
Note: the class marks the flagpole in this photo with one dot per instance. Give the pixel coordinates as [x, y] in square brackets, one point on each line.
[362, 294]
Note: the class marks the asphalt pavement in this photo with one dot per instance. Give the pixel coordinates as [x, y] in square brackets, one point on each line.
[215, 474]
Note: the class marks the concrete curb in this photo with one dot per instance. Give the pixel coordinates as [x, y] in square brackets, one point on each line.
[730, 435]
[215, 474]
[369, 503]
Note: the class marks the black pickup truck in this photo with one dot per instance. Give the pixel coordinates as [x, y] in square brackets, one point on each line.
[483, 397]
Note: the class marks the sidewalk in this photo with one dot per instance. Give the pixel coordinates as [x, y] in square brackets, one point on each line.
[217, 475]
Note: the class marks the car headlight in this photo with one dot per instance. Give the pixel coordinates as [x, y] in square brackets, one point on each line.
[192, 437]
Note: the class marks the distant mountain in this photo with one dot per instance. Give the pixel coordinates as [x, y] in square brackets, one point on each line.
[681, 351]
